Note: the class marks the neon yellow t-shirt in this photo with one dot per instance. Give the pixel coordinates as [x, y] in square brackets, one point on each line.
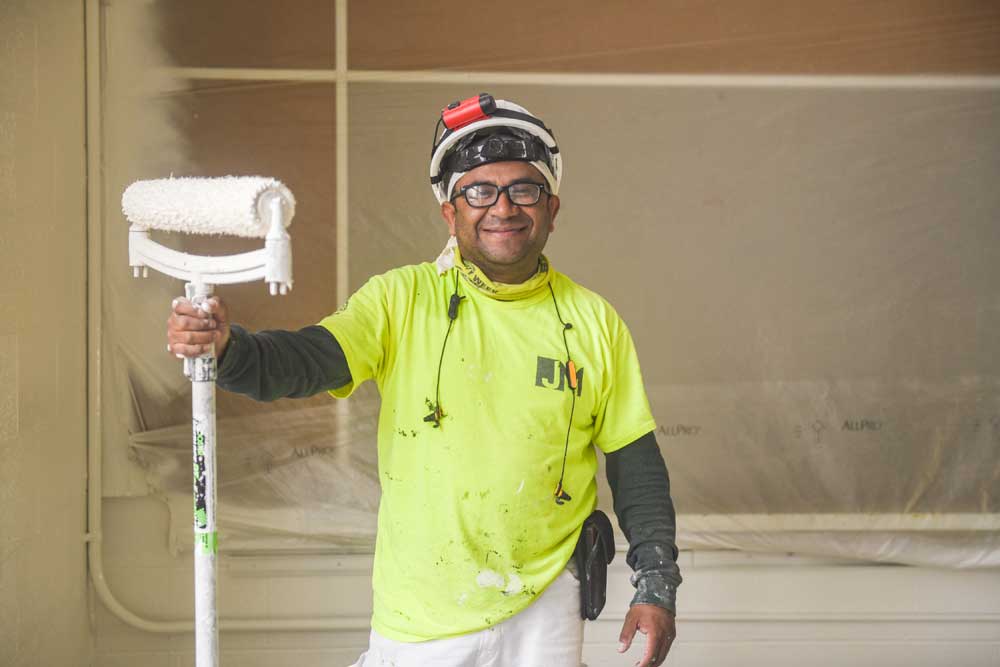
[469, 533]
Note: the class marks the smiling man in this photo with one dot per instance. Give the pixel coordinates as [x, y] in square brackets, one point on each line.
[502, 238]
[499, 378]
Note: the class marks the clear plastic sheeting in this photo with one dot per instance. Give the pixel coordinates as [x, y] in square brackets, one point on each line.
[809, 272]
[936, 548]
[311, 483]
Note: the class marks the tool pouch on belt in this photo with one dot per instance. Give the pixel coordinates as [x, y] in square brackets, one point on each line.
[594, 550]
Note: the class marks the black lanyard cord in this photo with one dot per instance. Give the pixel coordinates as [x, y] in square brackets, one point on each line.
[560, 493]
[437, 413]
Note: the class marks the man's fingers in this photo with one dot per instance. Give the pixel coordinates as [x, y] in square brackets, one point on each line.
[182, 306]
[662, 643]
[192, 330]
[193, 337]
[183, 350]
[187, 323]
[660, 630]
[216, 309]
[667, 644]
[650, 656]
[659, 653]
[628, 632]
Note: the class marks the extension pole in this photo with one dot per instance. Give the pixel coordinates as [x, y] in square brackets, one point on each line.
[202, 372]
[250, 206]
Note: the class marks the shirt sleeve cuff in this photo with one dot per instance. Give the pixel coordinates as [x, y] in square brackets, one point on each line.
[232, 358]
[656, 589]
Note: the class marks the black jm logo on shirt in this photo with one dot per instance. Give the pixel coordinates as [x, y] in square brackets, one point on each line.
[550, 370]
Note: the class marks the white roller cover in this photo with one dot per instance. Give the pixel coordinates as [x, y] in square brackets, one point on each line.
[235, 205]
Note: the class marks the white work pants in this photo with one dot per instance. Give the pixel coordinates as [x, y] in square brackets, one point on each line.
[549, 633]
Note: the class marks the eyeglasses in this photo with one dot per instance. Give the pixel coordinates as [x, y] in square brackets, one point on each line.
[484, 195]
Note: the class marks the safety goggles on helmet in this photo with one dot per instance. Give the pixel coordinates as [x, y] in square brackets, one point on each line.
[506, 144]
[481, 130]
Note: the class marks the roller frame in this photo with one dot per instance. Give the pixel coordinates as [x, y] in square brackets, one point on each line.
[272, 263]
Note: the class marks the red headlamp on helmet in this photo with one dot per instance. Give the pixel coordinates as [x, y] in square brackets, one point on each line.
[459, 114]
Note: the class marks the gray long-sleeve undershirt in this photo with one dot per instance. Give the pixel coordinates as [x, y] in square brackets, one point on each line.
[269, 365]
[640, 487]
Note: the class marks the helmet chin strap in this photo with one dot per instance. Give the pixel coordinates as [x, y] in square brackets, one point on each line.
[451, 183]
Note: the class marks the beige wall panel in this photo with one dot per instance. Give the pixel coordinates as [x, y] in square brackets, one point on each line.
[680, 36]
[43, 358]
[248, 33]
[734, 609]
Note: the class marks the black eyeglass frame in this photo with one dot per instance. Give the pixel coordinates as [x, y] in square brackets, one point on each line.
[542, 187]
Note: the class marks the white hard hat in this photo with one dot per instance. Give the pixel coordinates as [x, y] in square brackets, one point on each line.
[519, 135]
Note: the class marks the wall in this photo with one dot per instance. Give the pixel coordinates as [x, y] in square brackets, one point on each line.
[734, 608]
[43, 415]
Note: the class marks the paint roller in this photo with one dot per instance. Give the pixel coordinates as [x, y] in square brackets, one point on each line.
[246, 206]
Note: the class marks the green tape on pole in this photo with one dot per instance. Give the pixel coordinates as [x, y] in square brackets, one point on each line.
[209, 542]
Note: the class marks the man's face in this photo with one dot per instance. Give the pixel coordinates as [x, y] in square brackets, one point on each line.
[504, 240]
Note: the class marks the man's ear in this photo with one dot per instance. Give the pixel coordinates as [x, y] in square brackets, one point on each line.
[448, 213]
[553, 206]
